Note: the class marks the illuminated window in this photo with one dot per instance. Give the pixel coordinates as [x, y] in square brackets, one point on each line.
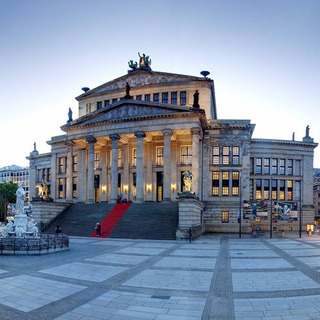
[159, 156]
[96, 161]
[235, 183]
[266, 190]
[215, 155]
[258, 189]
[225, 183]
[174, 97]
[134, 157]
[274, 185]
[215, 183]
[282, 190]
[225, 217]
[225, 155]
[186, 155]
[183, 98]
[119, 158]
[290, 189]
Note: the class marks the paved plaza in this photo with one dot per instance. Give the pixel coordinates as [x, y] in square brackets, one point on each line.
[214, 277]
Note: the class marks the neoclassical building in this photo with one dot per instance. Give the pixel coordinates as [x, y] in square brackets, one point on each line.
[138, 135]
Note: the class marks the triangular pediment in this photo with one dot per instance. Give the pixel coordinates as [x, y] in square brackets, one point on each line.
[129, 110]
[139, 78]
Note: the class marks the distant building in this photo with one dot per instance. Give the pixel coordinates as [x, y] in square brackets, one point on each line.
[316, 193]
[16, 174]
[140, 133]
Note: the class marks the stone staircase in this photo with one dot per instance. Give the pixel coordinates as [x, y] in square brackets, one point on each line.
[141, 221]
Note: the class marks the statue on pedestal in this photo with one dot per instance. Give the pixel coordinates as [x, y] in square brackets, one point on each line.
[187, 180]
[21, 195]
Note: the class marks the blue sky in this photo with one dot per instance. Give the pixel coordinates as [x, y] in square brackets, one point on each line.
[263, 55]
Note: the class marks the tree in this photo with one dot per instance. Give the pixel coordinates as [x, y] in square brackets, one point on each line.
[7, 195]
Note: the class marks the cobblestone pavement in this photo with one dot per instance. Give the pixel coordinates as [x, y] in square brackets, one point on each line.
[214, 277]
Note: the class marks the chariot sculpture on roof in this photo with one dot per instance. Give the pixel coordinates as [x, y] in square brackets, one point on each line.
[144, 62]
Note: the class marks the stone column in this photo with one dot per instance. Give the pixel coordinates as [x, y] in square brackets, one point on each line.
[103, 192]
[69, 171]
[53, 189]
[90, 195]
[114, 168]
[82, 176]
[126, 179]
[150, 186]
[195, 160]
[167, 164]
[139, 175]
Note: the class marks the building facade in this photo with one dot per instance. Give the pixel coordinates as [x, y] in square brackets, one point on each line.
[140, 133]
[16, 174]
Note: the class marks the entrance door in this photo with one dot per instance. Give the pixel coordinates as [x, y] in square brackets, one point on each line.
[97, 188]
[159, 186]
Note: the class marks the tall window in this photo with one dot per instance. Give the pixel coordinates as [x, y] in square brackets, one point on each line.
[235, 183]
[147, 97]
[174, 97]
[183, 98]
[258, 189]
[225, 155]
[99, 104]
[290, 189]
[225, 183]
[186, 155]
[106, 103]
[258, 165]
[49, 174]
[215, 155]
[236, 155]
[96, 161]
[266, 166]
[119, 158]
[134, 157]
[274, 166]
[156, 97]
[139, 97]
[74, 187]
[274, 184]
[225, 217]
[289, 167]
[60, 188]
[215, 183]
[266, 189]
[282, 190]
[282, 166]
[159, 160]
[61, 163]
[165, 96]
[114, 100]
[75, 163]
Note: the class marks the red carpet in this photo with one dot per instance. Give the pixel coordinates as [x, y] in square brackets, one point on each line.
[111, 220]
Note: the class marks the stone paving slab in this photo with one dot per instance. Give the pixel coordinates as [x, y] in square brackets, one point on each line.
[216, 277]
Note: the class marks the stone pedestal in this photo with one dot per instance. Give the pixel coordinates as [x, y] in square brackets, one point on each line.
[190, 215]
[20, 219]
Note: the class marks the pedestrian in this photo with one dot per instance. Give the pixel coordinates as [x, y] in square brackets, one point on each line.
[98, 229]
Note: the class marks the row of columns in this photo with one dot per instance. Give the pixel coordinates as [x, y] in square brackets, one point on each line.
[140, 135]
